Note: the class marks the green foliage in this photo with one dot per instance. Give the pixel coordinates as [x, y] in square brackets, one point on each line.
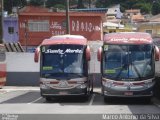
[52, 3]
[156, 7]
[144, 5]
[60, 6]
[80, 4]
[8, 4]
[36, 2]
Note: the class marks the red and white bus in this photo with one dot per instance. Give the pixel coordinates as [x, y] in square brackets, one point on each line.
[64, 66]
[2, 66]
[128, 65]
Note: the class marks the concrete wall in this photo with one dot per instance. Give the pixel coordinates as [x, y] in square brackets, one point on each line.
[21, 69]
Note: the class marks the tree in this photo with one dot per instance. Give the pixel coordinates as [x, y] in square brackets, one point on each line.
[80, 4]
[9, 4]
[36, 2]
[52, 3]
[144, 6]
[156, 7]
[59, 6]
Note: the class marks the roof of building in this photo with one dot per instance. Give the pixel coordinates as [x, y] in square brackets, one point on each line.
[132, 11]
[63, 14]
[138, 17]
[112, 11]
[36, 11]
[1, 45]
[91, 10]
[128, 38]
[110, 24]
[155, 18]
[65, 39]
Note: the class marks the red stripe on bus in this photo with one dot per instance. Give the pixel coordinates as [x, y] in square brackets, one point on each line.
[2, 74]
[2, 83]
[72, 82]
[118, 83]
[2, 67]
[51, 82]
[54, 82]
[138, 83]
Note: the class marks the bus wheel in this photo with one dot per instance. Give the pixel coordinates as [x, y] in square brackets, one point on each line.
[107, 99]
[48, 98]
[85, 98]
[147, 100]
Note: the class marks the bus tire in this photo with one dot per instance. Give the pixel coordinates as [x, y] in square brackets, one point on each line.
[85, 98]
[48, 98]
[147, 100]
[107, 99]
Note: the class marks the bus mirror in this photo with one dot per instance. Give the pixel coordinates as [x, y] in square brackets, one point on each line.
[88, 53]
[156, 53]
[99, 54]
[36, 55]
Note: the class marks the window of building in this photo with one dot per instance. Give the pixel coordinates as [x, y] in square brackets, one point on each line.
[10, 30]
[149, 31]
[38, 25]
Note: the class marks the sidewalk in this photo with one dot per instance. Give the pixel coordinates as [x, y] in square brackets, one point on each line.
[30, 88]
[19, 88]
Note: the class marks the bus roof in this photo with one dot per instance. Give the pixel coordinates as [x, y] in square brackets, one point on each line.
[128, 38]
[65, 39]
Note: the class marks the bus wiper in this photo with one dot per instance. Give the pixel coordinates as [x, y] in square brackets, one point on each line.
[138, 73]
[123, 67]
[76, 74]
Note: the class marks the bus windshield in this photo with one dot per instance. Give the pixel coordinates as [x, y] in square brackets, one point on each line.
[128, 62]
[62, 61]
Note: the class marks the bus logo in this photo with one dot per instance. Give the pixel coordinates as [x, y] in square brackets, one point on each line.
[63, 84]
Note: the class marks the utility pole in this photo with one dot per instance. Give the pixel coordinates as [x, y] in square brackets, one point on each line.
[89, 3]
[67, 18]
[44, 3]
[26, 36]
[1, 20]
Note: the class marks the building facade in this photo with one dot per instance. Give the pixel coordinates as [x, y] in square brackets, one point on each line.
[151, 26]
[36, 24]
[10, 29]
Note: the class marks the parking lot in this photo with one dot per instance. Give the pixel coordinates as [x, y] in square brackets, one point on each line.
[28, 100]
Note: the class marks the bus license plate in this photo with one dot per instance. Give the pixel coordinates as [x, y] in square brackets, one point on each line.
[128, 93]
[63, 93]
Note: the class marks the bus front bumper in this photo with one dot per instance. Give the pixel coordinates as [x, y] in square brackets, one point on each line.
[64, 92]
[147, 92]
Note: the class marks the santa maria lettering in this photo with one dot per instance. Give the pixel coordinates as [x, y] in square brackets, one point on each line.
[59, 51]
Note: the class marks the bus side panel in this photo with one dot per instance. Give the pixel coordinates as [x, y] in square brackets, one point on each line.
[2, 74]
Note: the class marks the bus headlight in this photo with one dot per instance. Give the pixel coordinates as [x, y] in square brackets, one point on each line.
[149, 83]
[43, 86]
[107, 83]
[82, 86]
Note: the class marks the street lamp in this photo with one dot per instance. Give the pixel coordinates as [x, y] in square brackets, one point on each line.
[67, 18]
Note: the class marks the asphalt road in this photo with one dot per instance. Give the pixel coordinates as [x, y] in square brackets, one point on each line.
[22, 101]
